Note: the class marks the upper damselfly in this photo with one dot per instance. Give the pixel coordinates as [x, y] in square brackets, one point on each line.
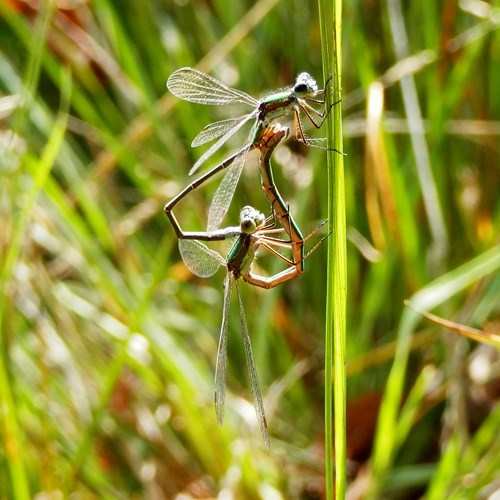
[195, 86]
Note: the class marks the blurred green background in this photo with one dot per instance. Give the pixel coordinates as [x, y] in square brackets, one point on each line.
[108, 343]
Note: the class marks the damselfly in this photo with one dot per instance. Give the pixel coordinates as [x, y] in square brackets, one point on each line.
[252, 234]
[195, 86]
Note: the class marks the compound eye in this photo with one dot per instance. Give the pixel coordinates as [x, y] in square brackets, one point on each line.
[301, 88]
[305, 84]
[248, 226]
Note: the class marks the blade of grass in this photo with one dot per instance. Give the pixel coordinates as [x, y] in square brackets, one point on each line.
[472, 333]
[335, 329]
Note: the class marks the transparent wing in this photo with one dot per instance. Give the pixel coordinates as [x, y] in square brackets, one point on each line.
[252, 373]
[220, 366]
[316, 140]
[225, 192]
[210, 151]
[195, 86]
[216, 129]
[199, 259]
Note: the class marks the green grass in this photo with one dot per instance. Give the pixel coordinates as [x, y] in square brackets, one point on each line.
[336, 289]
[108, 344]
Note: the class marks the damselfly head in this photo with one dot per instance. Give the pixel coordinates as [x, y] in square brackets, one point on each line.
[250, 220]
[305, 85]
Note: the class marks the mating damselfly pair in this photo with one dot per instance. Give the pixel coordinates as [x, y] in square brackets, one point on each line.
[256, 231]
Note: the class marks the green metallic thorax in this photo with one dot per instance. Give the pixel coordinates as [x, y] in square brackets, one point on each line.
[275, 106]
[241, 255]
[271, 108]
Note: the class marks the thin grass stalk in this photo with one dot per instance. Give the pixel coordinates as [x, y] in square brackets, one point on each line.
[335, 330]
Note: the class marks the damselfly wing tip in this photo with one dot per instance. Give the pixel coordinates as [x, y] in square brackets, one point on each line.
[219, 407]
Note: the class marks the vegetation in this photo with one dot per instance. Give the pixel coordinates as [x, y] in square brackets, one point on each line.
[108, 343]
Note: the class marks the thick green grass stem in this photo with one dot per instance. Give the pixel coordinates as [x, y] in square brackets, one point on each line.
[335, 330]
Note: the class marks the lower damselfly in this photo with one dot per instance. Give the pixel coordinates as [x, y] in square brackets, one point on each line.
[254, 233]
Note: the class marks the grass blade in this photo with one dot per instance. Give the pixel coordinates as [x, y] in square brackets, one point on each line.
[337, 267]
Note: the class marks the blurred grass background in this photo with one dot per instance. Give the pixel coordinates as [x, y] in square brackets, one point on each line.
[108, 343]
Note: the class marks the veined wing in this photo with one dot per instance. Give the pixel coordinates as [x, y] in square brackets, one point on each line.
[224, 194]
[193, 85]
[216, 129]
[252, 373]
[316, 140]
[212, 149]
[220, 366]
[199, 259]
